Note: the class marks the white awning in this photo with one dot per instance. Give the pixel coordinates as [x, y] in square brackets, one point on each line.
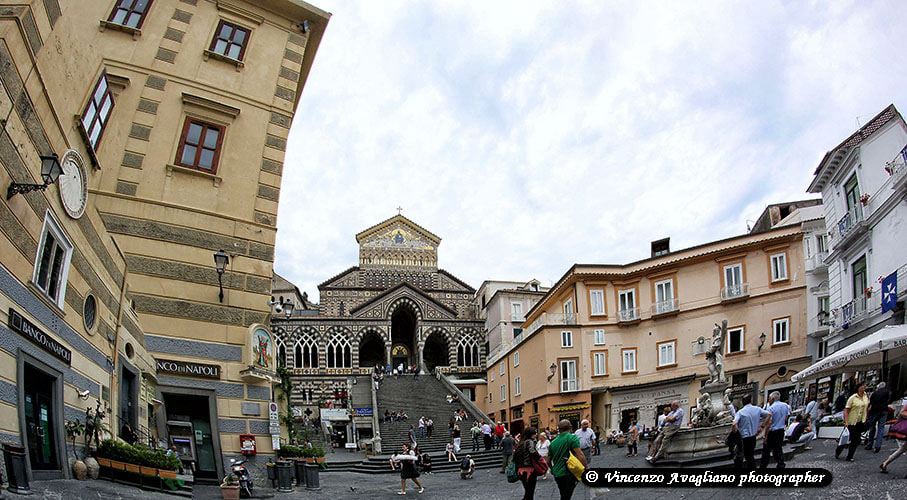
[863, 354]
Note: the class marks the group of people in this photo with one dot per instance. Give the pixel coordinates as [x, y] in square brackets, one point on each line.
[862, 413]
[452, 398]
[395, 416]
[534, 456]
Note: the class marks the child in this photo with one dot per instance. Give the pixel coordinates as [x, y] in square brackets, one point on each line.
[451, 457]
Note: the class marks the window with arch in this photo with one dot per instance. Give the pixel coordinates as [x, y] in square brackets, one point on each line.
[340, 353]
[468, 353]
[305, 352]
[281, 353]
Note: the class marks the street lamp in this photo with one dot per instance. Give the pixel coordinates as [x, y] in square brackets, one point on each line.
[285, 306]
[761, 340]
[50, 172]
[221, 259]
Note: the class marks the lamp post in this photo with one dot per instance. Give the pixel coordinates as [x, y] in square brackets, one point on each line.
[761, 341]
[221, 259]
[50, 172]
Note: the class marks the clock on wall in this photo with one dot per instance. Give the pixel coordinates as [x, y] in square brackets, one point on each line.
[73, 184]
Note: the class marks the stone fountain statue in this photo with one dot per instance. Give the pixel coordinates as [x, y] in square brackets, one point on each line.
[715, 355]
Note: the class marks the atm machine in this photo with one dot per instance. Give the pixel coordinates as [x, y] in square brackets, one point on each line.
[183, 437]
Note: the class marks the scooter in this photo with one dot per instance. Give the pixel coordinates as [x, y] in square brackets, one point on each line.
[243, 476]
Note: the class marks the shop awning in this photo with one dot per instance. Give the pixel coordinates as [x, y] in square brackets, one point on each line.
[863, 354]
[560, 409]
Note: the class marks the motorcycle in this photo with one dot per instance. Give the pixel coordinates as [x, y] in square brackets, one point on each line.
[242, 475]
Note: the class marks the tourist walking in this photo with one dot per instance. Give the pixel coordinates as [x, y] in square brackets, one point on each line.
[411, 436]
[407, 460]
[633, 439]
[527, 458]
[506, 450]
[542, 447]
[855, 412]
[774, 435]
[456, 437]
[476, 434]
[672, 423]
[877, 416]
[747, 423]
[486, 435]
[901, 439]
[498, 434]
[586, 439]
[558, 452]
[429, 426]
[422, 426]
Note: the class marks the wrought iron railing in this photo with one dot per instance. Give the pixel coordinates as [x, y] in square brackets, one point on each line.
[629, 314]
[735, 291]
[664, 307]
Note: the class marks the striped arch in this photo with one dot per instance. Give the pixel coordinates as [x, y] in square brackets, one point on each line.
[448, 340]
[357, 345]
[404, 301]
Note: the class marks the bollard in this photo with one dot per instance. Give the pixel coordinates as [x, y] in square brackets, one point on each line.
[284, 476]
[299, 468]
[312, 482]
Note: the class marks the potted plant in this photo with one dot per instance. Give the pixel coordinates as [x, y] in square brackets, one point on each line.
[889, 168]
[864, 199]
[229, 489]
[75, 428]
[317, 452]
[868, 292]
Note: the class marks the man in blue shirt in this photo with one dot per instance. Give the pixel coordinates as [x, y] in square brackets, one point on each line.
[774, 438]
[747, 422]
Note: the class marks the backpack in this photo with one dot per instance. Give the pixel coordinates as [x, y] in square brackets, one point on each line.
[512, 475]
[464, 464]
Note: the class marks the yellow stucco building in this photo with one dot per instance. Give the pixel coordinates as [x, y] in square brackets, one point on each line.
[612, 343]
[170, 118]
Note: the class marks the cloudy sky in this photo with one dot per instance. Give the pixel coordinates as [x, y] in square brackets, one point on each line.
[531, 136]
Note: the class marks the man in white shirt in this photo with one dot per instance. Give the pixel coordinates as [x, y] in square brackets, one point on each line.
[586, 439]
[672, 424]
[422, 426]
[774, 437]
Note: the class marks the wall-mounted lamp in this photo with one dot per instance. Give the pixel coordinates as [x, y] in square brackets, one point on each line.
[50, 172]
[303, 26]
[761, 341]
[285, 306]
[553, 370]
[221, 259]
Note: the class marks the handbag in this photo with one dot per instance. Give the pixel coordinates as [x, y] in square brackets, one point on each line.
[575, 466]
[512, 475]
[539, 466]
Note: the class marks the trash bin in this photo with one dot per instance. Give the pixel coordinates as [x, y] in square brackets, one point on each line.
[299, 468]
[311, 477]
[284, 476]
[16, 471]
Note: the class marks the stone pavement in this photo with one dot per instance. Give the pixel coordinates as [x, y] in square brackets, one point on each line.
[860, 479]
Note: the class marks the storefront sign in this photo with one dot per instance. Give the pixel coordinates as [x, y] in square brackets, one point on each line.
[751, 389]
[28, 330]
[187, 369]
[363, 412]
[334, 414]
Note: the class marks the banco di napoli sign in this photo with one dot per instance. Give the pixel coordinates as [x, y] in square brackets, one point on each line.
[187, 369]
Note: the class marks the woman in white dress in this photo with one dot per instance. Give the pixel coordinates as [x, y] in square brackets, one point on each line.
[542, 447]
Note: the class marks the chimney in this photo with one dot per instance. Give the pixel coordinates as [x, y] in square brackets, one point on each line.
[661, 247]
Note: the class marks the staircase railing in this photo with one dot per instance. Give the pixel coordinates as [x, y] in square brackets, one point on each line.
[470, 406]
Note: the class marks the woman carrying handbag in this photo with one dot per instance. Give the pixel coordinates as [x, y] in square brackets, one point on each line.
[530, 465]
[898, 431]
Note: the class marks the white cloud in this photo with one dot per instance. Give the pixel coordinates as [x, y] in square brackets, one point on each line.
[531, 136]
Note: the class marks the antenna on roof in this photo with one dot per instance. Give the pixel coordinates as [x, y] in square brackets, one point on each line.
[857, 119]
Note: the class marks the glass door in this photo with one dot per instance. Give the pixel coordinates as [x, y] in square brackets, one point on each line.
[40, 420]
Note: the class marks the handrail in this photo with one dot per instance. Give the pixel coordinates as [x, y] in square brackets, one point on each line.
[476, 412]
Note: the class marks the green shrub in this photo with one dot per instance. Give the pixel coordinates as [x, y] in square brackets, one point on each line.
[137, 454]
[290, 451]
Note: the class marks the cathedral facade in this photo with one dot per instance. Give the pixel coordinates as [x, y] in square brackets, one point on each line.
[396, 307]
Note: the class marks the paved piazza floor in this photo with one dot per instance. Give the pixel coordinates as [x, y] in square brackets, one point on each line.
[859, 480]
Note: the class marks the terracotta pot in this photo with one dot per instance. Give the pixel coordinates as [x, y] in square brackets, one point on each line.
[319, 460]
[133, 468]
[103, 462]
[94, 469]
[79, 470]
[309, 460]
[230, 492]
[166, 474]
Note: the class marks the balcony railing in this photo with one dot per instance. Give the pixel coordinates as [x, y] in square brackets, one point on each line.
[817, 261]
[850, 222]
[570, 385]
[735, 291]
[897, 169]
[517, 317]
[664, 307]
[630, 314]
[855, 310]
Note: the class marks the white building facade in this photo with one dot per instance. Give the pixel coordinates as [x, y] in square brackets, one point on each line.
[863, 182]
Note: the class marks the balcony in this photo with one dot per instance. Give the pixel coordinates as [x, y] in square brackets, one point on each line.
[734, 293]
[665, 307]
[820, 325]
[816, 262]
[849, 227]
[517, 318]
[851, 312]
[897, 170]
[629, 315]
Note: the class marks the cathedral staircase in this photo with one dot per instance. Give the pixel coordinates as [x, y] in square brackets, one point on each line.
[418, 396]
